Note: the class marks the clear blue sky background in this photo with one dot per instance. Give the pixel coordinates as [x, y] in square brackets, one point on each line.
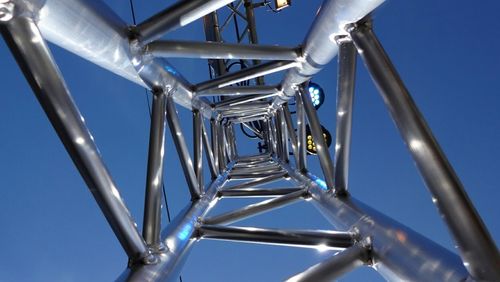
[446, 52]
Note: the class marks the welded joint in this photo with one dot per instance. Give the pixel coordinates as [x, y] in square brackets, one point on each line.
[365, 23]
[6, 10]
[341, 194]
[294, 88]
[367, 244]
[147, 259]
[342, 39]
[158, 249]
[307, 196]
[301, 56]
[10, 9]
[198, 233]
[218, 195]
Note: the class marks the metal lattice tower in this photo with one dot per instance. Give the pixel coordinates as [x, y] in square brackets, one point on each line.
[233, 98]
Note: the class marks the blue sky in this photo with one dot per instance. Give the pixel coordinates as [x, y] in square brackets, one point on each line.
[52, 230]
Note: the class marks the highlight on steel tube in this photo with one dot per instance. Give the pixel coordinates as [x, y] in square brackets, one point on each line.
[264, 116]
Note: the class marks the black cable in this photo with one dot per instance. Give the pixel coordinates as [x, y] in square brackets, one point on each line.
[149, 104]
[243, 66]
[245, 132]
[132, 10]
[272, 9]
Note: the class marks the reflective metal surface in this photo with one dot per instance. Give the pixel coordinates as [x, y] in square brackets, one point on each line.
[346, 71]
[254, 209]
[334, 267]
[215, 143]
[299, 238]
[291, 133]
[256, 192]
[478, 250]
[399, 253]
[33, 56]
[89, 29]
[154, 178]
[238, 91]
[178, 238]
[319, 46]
[216, 50]
[317, 134]
[198, 148]
[179, 14]
[208, 152]
[182, 150]
[231, 102]
[301, 134]
[94, 32]
[244, 74]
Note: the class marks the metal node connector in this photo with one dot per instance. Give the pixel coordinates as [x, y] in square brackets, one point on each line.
[6, 10]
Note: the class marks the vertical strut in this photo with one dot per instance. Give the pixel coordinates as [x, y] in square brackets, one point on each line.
[234, 148]
[345, 96]
[154, 179]
[291, 133]
[283, 134]
[33, 56]
[215, 143]
[279, 135]
[198, 148]
[182, 150]
[478, 250]
[227, 142]
[208, 152]
[222, 147]
[317, 133]
[301, 134]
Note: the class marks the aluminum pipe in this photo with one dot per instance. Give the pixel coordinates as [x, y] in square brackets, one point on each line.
[317, 133]
[319, 47]
[299, 238]
[256, 192]
[178, 237]
[182, 150]
[334, 267]
[254, 209]
[178, 15]
[399, 253]
[477, 248]
[287, 116]
[33, 56]
[238, 91]
[154, 177]
[91, 30]
[245, 74]
[217, 50]
[301, 134]
[208, 152]
[345, 99]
